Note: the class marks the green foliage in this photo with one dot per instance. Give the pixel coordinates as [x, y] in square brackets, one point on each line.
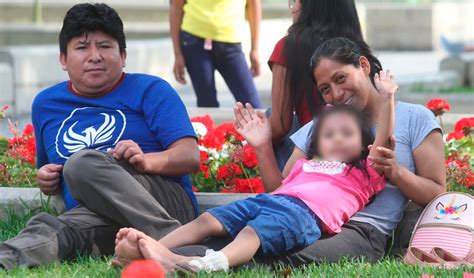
[18, 173]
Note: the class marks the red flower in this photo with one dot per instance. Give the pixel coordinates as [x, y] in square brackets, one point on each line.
[195, 189]
[251, 185]
[227, 129]
[4, 108]
[28, 131]
[464, 125]
[206, 120]
[456, 135]
[228, 190]
[250, 158]
[438, 106]
[204, 156]
[228, 172]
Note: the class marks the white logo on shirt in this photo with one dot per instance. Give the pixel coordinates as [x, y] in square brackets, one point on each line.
[90, 127]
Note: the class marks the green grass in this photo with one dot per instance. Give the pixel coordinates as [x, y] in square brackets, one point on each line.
[100, 267]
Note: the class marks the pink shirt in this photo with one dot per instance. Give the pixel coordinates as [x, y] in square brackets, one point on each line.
[330, 191]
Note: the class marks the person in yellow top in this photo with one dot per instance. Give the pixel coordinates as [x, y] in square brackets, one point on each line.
[207, 36]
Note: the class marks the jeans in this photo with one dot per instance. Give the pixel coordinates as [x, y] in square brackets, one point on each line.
[228, 59]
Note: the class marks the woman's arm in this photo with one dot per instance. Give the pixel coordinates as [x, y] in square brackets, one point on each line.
[176, 18]
[254, 8]
[281, 118]
[430, 178]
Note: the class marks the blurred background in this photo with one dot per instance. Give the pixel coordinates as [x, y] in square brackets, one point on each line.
[405, 36]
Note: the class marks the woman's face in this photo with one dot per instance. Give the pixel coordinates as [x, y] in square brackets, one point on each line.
[295, 9]
[343, 84]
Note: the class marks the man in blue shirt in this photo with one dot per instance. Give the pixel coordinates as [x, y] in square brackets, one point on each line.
[117, 146]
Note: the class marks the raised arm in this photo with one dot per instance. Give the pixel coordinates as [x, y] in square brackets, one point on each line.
[386, 118]
[429, 180]
[256, 129]
[254, 11]
[176, 18]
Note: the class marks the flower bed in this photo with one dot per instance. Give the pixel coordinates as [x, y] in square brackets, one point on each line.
[459, 149]
[228, 164]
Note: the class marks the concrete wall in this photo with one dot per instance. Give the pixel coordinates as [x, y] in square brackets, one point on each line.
[6, 85]
[387, 26]
[399, 26]
[37, 67]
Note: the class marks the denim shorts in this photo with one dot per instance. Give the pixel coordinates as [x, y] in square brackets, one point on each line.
[282, 223]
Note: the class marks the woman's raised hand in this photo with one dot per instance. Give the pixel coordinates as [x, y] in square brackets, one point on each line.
[252, 125]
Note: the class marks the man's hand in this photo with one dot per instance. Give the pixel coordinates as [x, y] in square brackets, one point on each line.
[254, 63]
[178, 69]
[130, 151]
[48, 178]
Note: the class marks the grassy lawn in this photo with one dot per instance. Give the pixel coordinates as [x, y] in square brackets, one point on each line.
[100, 267]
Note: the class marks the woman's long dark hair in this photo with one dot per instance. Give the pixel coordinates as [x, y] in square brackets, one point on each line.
[346, 52]
[319, 20]
[362, 120]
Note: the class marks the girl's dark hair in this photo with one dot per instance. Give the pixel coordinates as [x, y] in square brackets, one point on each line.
[346, 52]
[319, 20]
[85, 18]
[362, 120]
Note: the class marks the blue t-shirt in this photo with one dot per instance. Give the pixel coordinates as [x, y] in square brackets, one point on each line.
[142, 108]
[412, 124]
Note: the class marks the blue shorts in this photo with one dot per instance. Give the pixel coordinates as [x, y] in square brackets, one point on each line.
[281, 222]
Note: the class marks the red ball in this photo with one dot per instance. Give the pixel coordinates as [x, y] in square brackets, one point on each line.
[144, 269]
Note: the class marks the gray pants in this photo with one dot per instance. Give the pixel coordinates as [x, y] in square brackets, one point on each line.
[112, 195]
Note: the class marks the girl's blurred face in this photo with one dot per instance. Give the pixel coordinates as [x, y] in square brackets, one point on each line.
[340, 138]
[295, 9]
[343, 84]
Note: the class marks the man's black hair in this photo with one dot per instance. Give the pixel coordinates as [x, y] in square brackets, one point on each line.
[82, 19]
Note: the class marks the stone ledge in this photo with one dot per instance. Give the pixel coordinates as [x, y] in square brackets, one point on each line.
[21, 199]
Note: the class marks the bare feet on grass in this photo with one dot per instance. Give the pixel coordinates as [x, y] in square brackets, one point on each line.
[126, 247]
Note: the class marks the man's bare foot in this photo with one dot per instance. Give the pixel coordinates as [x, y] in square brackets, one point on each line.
[126, 248]
[154, 250]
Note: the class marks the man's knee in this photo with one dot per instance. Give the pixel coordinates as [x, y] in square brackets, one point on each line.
[81, 164]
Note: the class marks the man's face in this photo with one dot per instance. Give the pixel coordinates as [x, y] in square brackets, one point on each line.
[94, 62]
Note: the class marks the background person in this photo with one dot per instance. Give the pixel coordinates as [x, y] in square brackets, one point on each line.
[206, 37]
[295, 99]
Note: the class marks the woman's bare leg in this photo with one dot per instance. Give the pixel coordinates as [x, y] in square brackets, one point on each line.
[194, 232]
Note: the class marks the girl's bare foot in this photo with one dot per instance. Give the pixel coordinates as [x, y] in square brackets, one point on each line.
[126, 248]
[154, 250]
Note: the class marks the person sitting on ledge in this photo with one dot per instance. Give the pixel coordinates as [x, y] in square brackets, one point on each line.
[117, 146]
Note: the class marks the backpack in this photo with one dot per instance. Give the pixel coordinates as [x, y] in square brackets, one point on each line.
[447, 222]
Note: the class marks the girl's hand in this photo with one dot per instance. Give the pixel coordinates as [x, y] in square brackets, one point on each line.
[385, 83]
[253, 126]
